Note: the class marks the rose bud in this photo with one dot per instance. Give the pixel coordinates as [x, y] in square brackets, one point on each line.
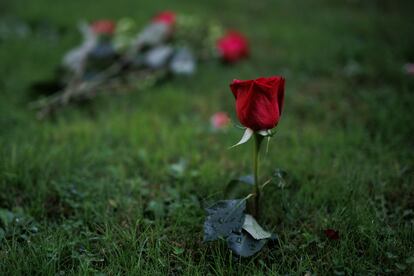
[165, 17]
[103, 27]
[259, 102]
[232, 47]
[219, 120]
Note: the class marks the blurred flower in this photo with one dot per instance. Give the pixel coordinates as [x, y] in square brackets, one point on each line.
[233, 46]
[183, 62]
[125, 33]
[158, 56]
[165, 17]
[220, 120]
[103, 27]
[409, 68]
[259, 102]
[75, 59]
[331, 234]
[152, 35]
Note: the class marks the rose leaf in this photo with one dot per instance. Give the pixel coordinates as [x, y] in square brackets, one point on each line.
[244, 245]
[224, 217]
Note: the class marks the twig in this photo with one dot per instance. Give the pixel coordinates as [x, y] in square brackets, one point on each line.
[77, 90]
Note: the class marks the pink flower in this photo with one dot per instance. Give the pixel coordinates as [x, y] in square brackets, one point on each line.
[103, 27]
[220, 120]
[166, 17]
[409, 68]
[233, 46]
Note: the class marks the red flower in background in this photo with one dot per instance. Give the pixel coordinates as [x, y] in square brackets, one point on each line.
[233, 46]
[259, 102]
[220, 120]
[103, 27]
[165, 17]
[331, 234]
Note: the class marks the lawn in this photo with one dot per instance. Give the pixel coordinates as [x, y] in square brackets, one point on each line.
[119, 185]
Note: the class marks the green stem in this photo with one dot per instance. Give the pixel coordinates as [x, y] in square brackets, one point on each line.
[256, 150]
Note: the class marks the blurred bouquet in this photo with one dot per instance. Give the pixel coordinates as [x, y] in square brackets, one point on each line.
[119, 54]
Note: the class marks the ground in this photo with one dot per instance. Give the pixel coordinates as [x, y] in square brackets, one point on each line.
[118, 186]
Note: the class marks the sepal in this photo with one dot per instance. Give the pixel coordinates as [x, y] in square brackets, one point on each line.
[248, 133]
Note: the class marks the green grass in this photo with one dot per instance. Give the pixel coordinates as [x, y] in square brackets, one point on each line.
[93, 188]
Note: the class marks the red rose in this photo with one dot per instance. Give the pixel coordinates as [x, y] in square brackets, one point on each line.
[233, 46]
[165, 17]
[259, 102]
[103, 27]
